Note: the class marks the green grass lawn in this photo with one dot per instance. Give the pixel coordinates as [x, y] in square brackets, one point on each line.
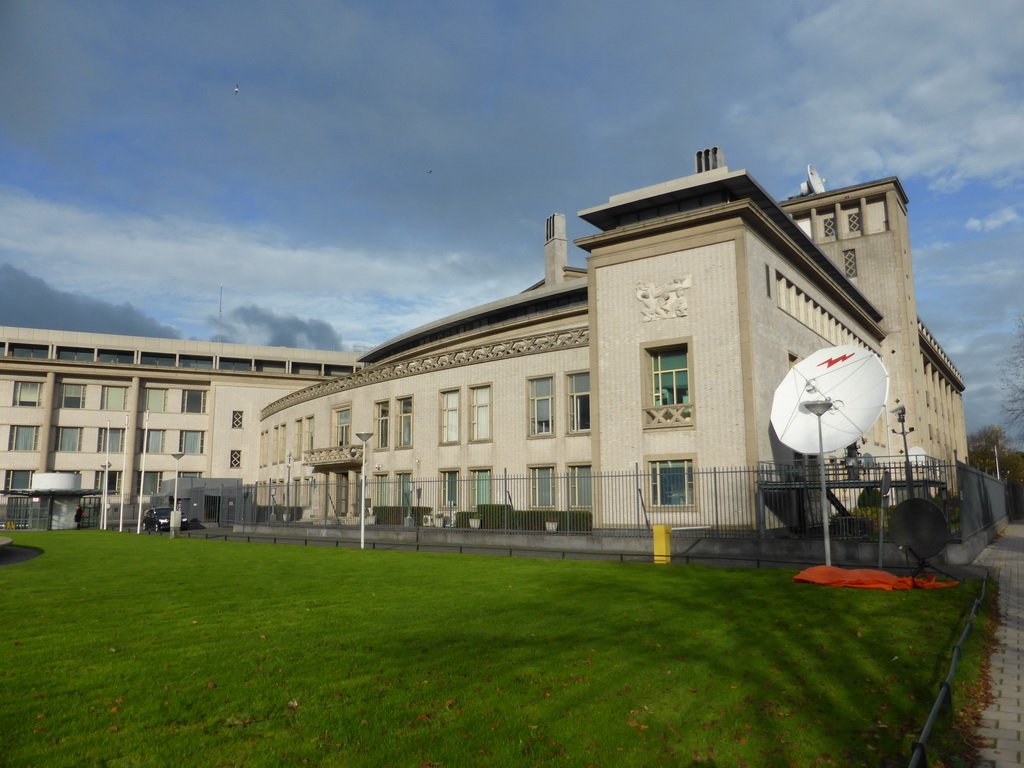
[124, 650]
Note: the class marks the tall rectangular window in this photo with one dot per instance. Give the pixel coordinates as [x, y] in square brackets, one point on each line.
[310, 434]
[579, 402]
[450, 490]
[383, 423]
[72, 395]
[193, 401]
[850, 262]
[404, 405]
[149, 484]
[669, 377]
[237, 419]
[69, 439]
[380, 491]
[116, 440]
[28, 394]
[156, 400]
[480, 413]
[343, 426]
[235, 459]
[23, 438]
[480, 486]
[450, 416]
[542, 486]
[114, 398]
[672, 483]
[541, 400]
[404, 482]
[154, 440]
[579, 487]
[191, 441]
[113, 480]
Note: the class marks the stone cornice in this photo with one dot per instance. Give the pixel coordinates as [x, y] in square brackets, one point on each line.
[495, 350]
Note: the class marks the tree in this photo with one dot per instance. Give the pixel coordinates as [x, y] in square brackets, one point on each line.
[1013, 380]
[985, 444]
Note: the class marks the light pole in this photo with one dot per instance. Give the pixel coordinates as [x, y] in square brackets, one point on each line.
[363, 438]
[106, 473]
[175, 512]
[819, 408]
[142, 473]
[288, 488]
[901, 417]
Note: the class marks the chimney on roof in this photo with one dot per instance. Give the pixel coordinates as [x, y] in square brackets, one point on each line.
[709, 160]
[556, 250]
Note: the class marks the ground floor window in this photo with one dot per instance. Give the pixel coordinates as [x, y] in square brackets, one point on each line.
[580, 495]
[480, 486]
[450, 490]
[672, 482]
[542, 486]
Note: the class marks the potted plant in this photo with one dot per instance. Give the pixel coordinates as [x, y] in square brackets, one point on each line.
[474, 522]
[551, 524]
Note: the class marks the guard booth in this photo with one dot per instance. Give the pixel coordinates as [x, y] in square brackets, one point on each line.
[212, 501]
[49, 505]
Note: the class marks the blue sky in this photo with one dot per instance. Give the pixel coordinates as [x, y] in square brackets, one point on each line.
[388, 162]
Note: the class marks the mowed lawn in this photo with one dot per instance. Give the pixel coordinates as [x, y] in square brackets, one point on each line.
[125, 650]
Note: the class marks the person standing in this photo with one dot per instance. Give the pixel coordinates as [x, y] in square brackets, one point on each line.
[79, 514]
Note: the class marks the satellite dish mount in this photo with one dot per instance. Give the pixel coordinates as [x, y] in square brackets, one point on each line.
[815, 183]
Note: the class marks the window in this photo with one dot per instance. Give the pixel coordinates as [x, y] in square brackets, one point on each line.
[18, 479]
[310, 433]
[404, 422]
[72, 395]
[149, 484]
[23, 439]
[542, 486]
[193, 401]
[480, 486]
[828, 226]
[672, 483]
[380, 490]
[850, 262]
[116, 444]
[29, 350]
[28, 394]
[191, 361]
[669, 377]
[579, 402]
[156, 400]
[450, 417]
[853, 222]
[579, 487]
[343, 426]
[233, 364]
[190, 441]
[114, 398]
[69, 439]
[153, 358]
[154, 440]
[383, 423]
[450, 490]
[404, 488]
[237, 419]
[71, 353]
[235, 460]
[116, 356]
[540, 406]
[480, 413]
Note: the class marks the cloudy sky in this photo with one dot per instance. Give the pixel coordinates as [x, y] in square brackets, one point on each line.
[388, 162]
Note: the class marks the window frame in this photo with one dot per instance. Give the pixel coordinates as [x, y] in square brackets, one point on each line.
[149, 393]
[542, 483]
[67, 436]
[343, 430]
[103, 432]
[537, 402]
[449, 416]
[19, 401]
[578, 401]
[187, 395]
[448, 497]
[185, 436]
[580, 475]
[14, 437]
[480, 414]
[657, 468]
[67, 399]
[382, 418]
[403, 421]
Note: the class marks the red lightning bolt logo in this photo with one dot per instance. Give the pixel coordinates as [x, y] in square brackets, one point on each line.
[833, 360]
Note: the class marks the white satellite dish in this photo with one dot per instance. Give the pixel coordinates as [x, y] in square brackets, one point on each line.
[815, 183]
[852, 379]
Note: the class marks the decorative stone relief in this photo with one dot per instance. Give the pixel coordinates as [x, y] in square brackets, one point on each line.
[663, 301]
[545, 342]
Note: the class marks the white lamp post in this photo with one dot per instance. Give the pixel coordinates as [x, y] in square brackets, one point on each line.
[175, 512]
[363, 438]
[819, 408]
[142, 473]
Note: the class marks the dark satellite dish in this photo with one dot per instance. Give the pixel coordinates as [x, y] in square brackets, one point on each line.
[918, 527]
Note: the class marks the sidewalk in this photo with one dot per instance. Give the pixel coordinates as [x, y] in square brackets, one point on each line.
[1003, 721]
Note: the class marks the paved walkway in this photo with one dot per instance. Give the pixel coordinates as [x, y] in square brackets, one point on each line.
[1003, 721]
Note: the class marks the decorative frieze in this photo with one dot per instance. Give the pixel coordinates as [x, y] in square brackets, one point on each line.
[660, 302]
[340, 454]
[527, 345]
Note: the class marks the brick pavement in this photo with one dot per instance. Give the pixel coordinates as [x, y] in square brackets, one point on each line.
[1003, 721]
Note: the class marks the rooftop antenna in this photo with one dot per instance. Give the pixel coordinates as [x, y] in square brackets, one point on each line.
[815, 183]
[826, 402]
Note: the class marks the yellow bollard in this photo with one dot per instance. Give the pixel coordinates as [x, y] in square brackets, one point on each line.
[662, 544]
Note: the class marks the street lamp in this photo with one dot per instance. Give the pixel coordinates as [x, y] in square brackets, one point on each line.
[175, 512]
[901, 417]
[819, 408]
[363, 438]
[106, 474]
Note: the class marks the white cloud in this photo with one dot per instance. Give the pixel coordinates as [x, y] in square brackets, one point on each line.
[1000, 218]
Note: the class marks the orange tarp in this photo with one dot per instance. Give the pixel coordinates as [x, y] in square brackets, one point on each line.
[865, 578]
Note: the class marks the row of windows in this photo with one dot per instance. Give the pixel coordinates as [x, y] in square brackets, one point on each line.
[165, 360]
[71, 440]
[671, 484]
[21, 479]
[29, 394]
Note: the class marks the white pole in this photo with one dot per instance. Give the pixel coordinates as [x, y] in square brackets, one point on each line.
[175, 512]
[124, 471]
[106, 475]
[824, 496]
[363, 437]
[997, 461]
[142, 475]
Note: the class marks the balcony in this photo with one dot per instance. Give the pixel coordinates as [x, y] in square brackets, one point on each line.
[348, 455]
[663, 416]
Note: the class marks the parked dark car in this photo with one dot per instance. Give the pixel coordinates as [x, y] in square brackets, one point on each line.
[159, 519]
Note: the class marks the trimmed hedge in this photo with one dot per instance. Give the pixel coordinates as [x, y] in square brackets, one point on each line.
[500, 517]
[395, 514]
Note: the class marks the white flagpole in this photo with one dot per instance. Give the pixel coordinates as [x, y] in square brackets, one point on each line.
[106, 474]
[124, 470]
[142, 474]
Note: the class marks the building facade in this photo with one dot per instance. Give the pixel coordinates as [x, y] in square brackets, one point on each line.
[662, 357]
[74, 402]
